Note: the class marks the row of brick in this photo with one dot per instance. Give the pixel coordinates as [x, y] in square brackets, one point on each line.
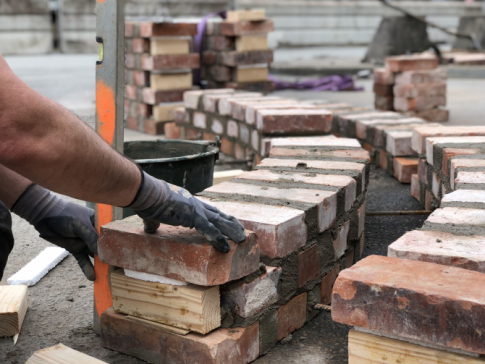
[304, 211]
[412, 85]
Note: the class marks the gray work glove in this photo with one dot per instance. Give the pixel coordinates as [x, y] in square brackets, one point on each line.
[160, 202]
[65, 224]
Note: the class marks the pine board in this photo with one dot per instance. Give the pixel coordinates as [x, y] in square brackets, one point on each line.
[165, 46]
[246, 43]
[246, 15]
[13, 306]
[170, 81]
[61, 354]
[165, 112]
[224, 176]
[251, 74]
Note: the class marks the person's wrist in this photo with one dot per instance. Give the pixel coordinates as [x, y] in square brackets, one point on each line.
[150, 192]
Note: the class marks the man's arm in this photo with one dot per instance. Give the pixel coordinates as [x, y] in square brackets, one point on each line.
[12, 185]
[47, 144]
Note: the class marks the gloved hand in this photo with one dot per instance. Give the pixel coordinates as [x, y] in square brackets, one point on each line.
[160, 202]
[65, 224]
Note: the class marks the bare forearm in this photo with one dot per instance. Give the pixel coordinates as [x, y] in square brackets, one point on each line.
[12, 185]
[44, 142]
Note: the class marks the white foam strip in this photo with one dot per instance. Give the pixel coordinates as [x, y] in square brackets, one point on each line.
[39, 266]
[153, 278]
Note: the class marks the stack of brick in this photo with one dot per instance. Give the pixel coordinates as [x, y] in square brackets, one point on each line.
[235, 52]
[451, 159]
[412, 85]
[304, 211]
[158, 71]
[424, 302]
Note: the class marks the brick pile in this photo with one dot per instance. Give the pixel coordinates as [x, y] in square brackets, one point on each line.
[304, 211]
[451, 158]
[235, 52]
[159, 65]
[412, 85]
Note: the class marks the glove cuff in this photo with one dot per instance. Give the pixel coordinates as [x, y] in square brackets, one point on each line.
[36, 203]
[152, 191]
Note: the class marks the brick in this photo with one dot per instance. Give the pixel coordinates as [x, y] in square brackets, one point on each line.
[244, 133]
[383, 90]
[129, 77]
[347, 123]
[246, 27]
[154, 127]
[152, 342]
[435, 114]
[226, 146]
[378, 139]
[255, 140]
[129, 29]
[383, 76]
[132, 123]
[247, 299]
[192, 98]
[364, 129]
[300, 180]
[470, 181]
[130, 60]
[252, 110]
[360, 156]
[474, 199]
[415, 187]
[154, 97]
[292, 316]
[191, 134]
[175, 252]
[294, 121]
[170, 61]
[465, 165]
[166, 29]
[418, 103]
[209, 58]
[181, 116]
[428, 200]
[220, 73]
[404, 168]
[361, 219]
[131, 92]
[238, 152]
[217, 127]
[411, 62]
[232, 129]
[435, 145]
[281, 230]
[219, 42]
[385, 103]
[457, 220]
[226, 105]
[199, 120]
[361, 245]
[340, 241]
[437, 75]
[451, 152]
[239, 106]
[308, 265]
[421, 89]
[420, 134]
[140, 45]
[321, 143]
[325, 202]
[171, 131]
[407, 293]
[327, 285]
[234, 58]
[349, 258]
[210, 101]
[383, 160]
[423, 171]
[143, 110]
[141, 78]
[398, 143]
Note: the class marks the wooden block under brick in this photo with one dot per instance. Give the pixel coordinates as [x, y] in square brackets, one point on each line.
[294, 121]
[245, 15]
[165, 112]
[256, 42]
[292, 316]
[13, 307]
[61, 354]
[421, 133]
[167, 29]
[152, 342]
[165, 46]
[251, 74]
[170, 81]
[411, 62]
[437, 247]
[404, 168]
[246, 27]
[170, 61]
[422, 301]
[190, 307]
[175, 252]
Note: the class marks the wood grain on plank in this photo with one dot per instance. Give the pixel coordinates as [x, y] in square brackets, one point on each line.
[13, 306]
[224, 176]
[61, 354]
[257, 42]
[246, 15]
[164, 46]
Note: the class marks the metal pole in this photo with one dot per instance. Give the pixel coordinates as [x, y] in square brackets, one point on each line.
[110, 34]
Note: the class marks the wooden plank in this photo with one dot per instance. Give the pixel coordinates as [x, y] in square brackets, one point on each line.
[251, 74]
[164, 46]
[188, 307]
[61, 354]
[224, 176]
[257, 42]
[170, 81]
[246, 15]
[365, 348]
[165, 112]
[13, 306]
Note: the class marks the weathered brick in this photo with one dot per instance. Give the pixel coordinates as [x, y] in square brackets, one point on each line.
[474, 199]
[152, 342]
[154, 97]
[210, 101]
[384, 103]
[226, 146]
[335, 155]
[340, 240]
[435, 145]
[255, 141]
[170, 61]
[208, 136]
[247, 299]
[411, 62]
[470, 181]
[131, 92]
[320, 142]
[408, 293]
[191, 134]
[171, 131]
[132, 123]
[226, 105]
[192, 98]
[437, 75]
[154, 127]
[246, 27]
[199, 120]
[234, 58]
[327, 285]
[383, 76]
[294, 121]
[438, 114]
[428, 200]
[219, 42]
[379, 131]
[347, 123]
[418, 103]
[421, 89]
[220, 73]
[457, 220]
[175, 252]
[398, 143]
[238, 152]
[404, 168]
[451, 152]
[232, 129]
[140, 45]
[252, 110]
[141, 78]
[364, 129]
[349, 258]
[239, 106]
[382, 89]
[421, 133]
[129, 29]
[415, 187]
[361, 219]
[166, 29]
[308, 265]
[383, 160]
[130, 61]
[465, 165]
[325, 202]
[292, 316]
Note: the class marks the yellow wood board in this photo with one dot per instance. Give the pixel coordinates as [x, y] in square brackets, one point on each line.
[365, 348]
[246, 15]
[61, 354]
[170, 81]
[165, 46]
[251, 74]
[13, 306]
[188, 307]
[224, 176]
[246, 43]
[165, 112]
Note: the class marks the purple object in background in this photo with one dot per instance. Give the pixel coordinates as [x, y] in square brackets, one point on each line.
[327, 83]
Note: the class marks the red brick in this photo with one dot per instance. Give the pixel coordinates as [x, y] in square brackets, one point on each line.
[361, 245]
[383, 76]
[247, 299]
[340, 241]
[175, 252]
[199, 120]
[129, 29]
[153, 127]
[384, 103]
[152, 342]
[131, 92]
[383, 90]
[257, 160]
[327, 285]
[383, 159]
[343, 155]
[170, 61]
[349, 258]
[292, 316]
[220, 73]
[246, 27]
[415, 187]
[365, 128]
[143, 110]
[181, 116]
[192, 134]
[234, 59]
[421, 133]
[308, 265]
[420, 89]
[418, 103]
[427, 302]
[130, 61]
[232, 129]
[171, 131]
[398, 143]
[439, 143]
[428, 199]
[404, 168]
[238, 152]
[166, 29]
[466, 165]
[219, 42]
[209, 58]
[294, 121]
[239, 106]
[281, 230]
[154, 97]
[141, 78]
[208, 136]
[140, 45]
[451, 152]
[251, 111]
[132, 123]
[226, 146]
[438, 114]
[411, 62]
[421, 76]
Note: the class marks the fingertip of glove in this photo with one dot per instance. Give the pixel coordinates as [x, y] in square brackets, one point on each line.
[89, 273]
[222, 245]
